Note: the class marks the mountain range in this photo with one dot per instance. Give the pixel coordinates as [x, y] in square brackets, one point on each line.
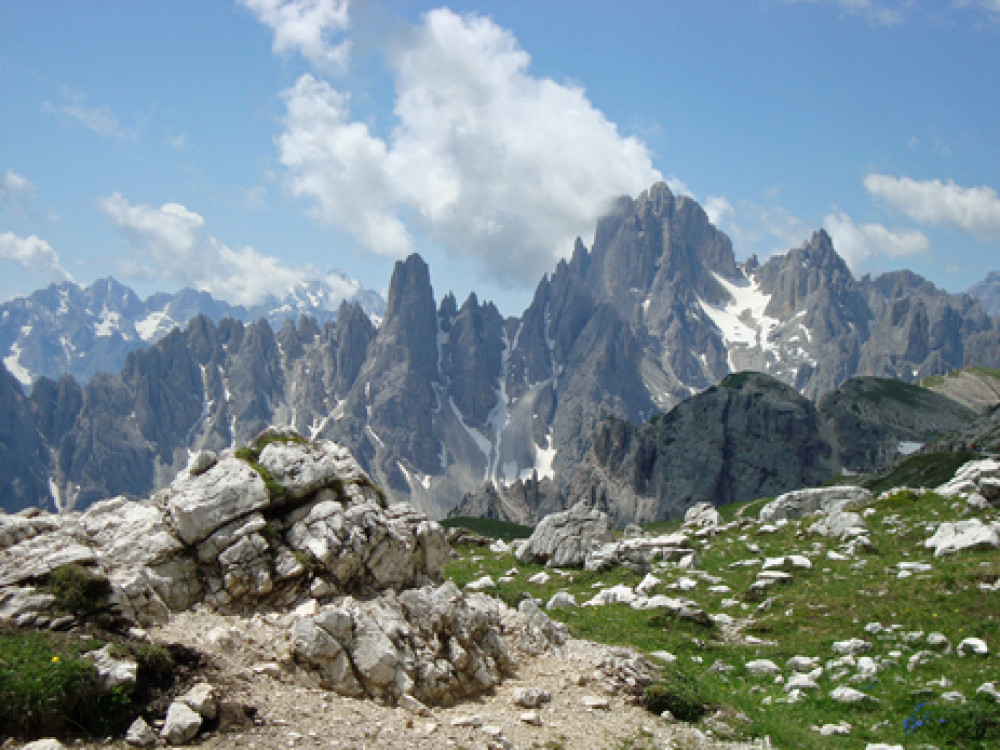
[438, 397]
[66, 328]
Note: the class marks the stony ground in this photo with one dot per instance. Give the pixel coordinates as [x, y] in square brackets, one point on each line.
[248, 664]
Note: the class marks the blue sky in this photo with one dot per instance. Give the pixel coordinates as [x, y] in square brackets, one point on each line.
[243, 146]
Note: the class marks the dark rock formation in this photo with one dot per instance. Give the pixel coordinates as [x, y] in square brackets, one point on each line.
[750, 436]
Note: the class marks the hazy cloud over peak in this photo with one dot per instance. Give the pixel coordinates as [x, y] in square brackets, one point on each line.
[856, 243]
[484, 158]
[33, 254]
[170, 242]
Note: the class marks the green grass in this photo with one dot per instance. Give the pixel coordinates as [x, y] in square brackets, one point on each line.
[834, 600]
[490, 527]
[919, 470]
[47, 689]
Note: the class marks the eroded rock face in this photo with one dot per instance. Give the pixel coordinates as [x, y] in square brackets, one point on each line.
[433, 643]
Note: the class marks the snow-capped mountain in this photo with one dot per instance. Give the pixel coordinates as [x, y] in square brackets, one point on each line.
[67, 328]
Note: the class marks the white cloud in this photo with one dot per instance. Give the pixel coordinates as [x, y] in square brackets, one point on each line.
[98, 119]
[974, 210]
[34, 254]
[306, 27]
[485, 158]
[14, 189]
[856, 243]
[170, 243]
[764, 230]
[717, 208]
[876, 12]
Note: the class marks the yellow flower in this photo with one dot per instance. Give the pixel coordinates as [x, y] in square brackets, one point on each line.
[55, 659]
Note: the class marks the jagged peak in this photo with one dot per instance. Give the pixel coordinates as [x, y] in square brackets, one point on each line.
[410, 278]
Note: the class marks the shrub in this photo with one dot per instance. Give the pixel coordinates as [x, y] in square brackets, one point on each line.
[77, 590]
[680, 693]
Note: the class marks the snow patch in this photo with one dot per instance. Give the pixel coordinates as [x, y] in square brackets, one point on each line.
[415, 478]
[544, 457]
[108, 324]
[482, 443]
[371, 433]
[743, 322]
[13, 364]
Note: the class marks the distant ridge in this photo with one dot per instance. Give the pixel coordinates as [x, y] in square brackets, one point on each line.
[66, 328]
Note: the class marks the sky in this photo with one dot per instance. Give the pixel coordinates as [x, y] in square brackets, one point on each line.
[245, 146]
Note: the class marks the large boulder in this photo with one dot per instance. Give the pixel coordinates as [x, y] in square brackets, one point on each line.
[565, 539]
[981, 476]
[799, 503]
[955, 537]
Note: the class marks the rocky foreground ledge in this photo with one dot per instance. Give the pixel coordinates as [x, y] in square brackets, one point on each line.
[288, 527]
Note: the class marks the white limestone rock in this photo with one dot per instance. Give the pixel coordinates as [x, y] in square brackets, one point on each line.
[844, 694]
[852, 646]
[839, 524]
[561, 600]
[962, 535]
[702, 515]
[304, 468]
[564, 539]
[181, 724]
[799, 503]
[762, 668]
[112, 670]
[203, 699]
[140, 734]
[201, 504]
[973, 647]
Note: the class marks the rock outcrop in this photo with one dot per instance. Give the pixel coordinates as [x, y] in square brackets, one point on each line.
[285, 525]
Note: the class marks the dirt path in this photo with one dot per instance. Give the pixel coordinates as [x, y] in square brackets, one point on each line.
[250, 667]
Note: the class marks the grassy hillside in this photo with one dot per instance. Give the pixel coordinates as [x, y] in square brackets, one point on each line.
[842, 596]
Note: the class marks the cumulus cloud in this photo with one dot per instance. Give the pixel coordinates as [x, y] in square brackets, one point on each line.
[484, 157]
[307, 27]
[33, 254]
[170, 242]
[856, 243]
[975, 210]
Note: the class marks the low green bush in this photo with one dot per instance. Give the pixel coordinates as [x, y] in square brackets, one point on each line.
[680, 693]
[78, 591]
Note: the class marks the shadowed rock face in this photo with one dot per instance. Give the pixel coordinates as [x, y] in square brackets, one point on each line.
[22, 452]
[751, 436]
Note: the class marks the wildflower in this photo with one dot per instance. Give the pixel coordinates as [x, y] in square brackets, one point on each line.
[55, 659]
